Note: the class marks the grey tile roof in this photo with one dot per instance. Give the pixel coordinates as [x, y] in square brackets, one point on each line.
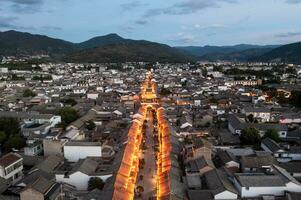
[217, 181]
[42, 185]
[271, 145]
[260, 180]
[256, 161]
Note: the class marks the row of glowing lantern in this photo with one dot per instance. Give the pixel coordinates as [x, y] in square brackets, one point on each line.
[163, 156]
[125, 182]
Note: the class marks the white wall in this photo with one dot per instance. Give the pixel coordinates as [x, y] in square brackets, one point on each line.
[74, 153]
[78, 179]
[225, 195]
[260, 191]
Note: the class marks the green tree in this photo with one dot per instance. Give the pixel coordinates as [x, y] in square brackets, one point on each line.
[94, 183]
[272, 134]
[15, 142]
[2, 137]
[164, 91]
[295, 98]
[10, 126]
[251, 118]
[10, 136]
[68, 115]
[29, 93]
[204, 72]
[250, 136]
[69, 101]
[90, 125]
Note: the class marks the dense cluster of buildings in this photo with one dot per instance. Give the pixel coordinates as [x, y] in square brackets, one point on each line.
[206, 109]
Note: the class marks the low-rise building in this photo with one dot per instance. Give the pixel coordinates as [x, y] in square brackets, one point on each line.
[11, 167]
[75, 150]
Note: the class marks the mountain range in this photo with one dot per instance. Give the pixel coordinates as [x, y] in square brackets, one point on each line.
[114, 48]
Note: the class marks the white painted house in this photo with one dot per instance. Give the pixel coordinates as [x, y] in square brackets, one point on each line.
[11, 167]
[75, 150]
[258, 185]
[82, 172]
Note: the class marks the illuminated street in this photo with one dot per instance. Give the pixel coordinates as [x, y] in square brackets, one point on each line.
[144, 172]
[147, 174]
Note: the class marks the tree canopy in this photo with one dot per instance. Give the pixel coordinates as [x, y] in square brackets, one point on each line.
[68, 114]
[95, 183]
[10, 135]
[250, 136]
[90, 125]
[29, 93]
[164, 91]
[272, 134]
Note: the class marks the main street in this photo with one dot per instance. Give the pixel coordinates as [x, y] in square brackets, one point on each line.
[147, 173]
[143, 174]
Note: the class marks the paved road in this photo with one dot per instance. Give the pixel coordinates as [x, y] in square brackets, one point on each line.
[149, 170]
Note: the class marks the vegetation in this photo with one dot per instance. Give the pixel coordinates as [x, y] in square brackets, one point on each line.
[272, 134]
[68, 115]
[10, 134]
[14, 77]
[134, 51]
[295, 98]
[250, 136]
[95, 183]
[251, 118]
[90, 125]
[29, 93]
[42, 78]
[164, 91]
[286, 53]
[69, 101]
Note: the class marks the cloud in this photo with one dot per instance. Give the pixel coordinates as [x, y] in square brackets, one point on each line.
[187, 7]
[141, 22]
[293, 1]
[11, 23]
[128, 29]
[211, 26]
[132, 5]
[8, 23]
[288, 34]
[25, 5]
[183, 38]
[50, 28]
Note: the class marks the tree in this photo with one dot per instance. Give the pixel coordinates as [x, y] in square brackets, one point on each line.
[164, 91]
[10, 136]
[90, 125]
[295, 98]
[94, 183]
[251, 118]
[272, 134]
[2, 137]
[68, 115]
[69, 101]
[29, 93]
[15, 142]
[250, 136]
[204, 72]
[10, 126]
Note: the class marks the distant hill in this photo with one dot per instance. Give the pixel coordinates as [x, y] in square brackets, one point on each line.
[130, 51]
[108, 48]
[219, 51]
[114, 48]
[14, 43]
[241, 56]
[109, 39]
[290, 53]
